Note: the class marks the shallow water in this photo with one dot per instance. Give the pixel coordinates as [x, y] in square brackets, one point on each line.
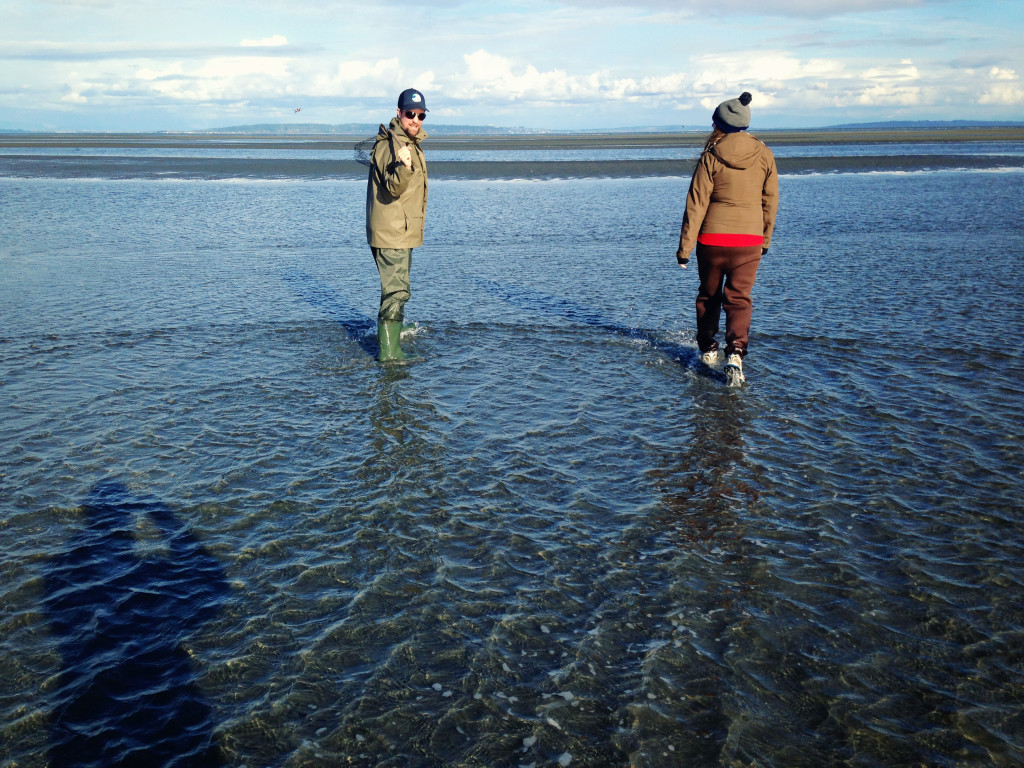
[195, 158]
[229, 537]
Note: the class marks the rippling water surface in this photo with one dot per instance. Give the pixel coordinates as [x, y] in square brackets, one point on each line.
[230, 537]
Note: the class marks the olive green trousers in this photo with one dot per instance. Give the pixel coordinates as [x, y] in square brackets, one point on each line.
[393, 264]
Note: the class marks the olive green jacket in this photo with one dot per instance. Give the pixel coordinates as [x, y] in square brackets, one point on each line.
[396, 196]
[734, 191]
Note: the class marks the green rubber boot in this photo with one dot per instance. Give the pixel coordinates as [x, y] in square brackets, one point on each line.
[389, 336]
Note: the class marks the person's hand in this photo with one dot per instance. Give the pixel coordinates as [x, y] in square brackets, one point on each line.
[404, 156]
[682, 258]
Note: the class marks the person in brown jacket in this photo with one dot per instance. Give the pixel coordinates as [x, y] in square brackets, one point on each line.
[729, 217]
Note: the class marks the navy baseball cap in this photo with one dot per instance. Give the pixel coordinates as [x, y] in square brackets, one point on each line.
[410, 98]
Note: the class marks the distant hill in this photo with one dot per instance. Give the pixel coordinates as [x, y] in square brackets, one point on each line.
[916, 125]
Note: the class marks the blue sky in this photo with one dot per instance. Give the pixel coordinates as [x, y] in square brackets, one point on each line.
[588, 64]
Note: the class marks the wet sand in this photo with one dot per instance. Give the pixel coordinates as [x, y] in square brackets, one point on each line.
[148, 167]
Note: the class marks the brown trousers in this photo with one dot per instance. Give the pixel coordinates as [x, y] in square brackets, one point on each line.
[726, 280]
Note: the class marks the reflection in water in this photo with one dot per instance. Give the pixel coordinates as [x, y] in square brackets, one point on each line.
[704, 485]
[707, 502]
[126, 695]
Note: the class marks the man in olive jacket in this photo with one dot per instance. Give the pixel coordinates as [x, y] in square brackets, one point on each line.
[396, 207]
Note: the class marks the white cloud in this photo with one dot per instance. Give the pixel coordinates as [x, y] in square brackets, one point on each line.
[218, 79]
[267, 42]
[173, 70]
[489, 76]
[657, 87]
[359, 79]
[236, 79]
[890, 85]
[353, 78]
[901, 72]
[720, 75]
[496, 79]
[778, 80]
[887, 96]
[998, 73]
[1004, 88]
[523, 72]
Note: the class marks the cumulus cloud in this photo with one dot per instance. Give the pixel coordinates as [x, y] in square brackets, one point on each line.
[890, 85]
[264, 73]
[893, 73]
[492, 78]
[489, 76]
[218, 79]
[1004, 88]
[998, 73]
[267, 42]
[779, 81]
[764, 71]
[889, 96]
[360, 79]
[233, 79]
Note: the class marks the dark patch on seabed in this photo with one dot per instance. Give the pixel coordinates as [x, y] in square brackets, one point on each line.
[126, 695]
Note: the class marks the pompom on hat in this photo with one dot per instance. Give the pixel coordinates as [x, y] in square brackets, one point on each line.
[733, 115]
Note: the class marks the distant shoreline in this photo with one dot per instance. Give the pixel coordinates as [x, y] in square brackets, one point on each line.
[491, 143]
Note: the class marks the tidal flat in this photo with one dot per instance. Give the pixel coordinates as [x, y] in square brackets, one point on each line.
[534, 156]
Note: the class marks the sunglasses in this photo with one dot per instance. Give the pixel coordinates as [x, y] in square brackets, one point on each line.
[413, 115]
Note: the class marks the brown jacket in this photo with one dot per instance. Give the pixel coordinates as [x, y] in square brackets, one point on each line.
[396, 196]
[734, 191]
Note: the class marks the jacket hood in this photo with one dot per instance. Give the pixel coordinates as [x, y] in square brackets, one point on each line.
[738, 150]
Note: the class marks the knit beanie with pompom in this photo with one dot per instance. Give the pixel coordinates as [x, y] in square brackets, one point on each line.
[733, 115]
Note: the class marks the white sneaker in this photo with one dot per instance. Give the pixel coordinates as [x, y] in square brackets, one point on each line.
[734, 370]
[711, 358]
